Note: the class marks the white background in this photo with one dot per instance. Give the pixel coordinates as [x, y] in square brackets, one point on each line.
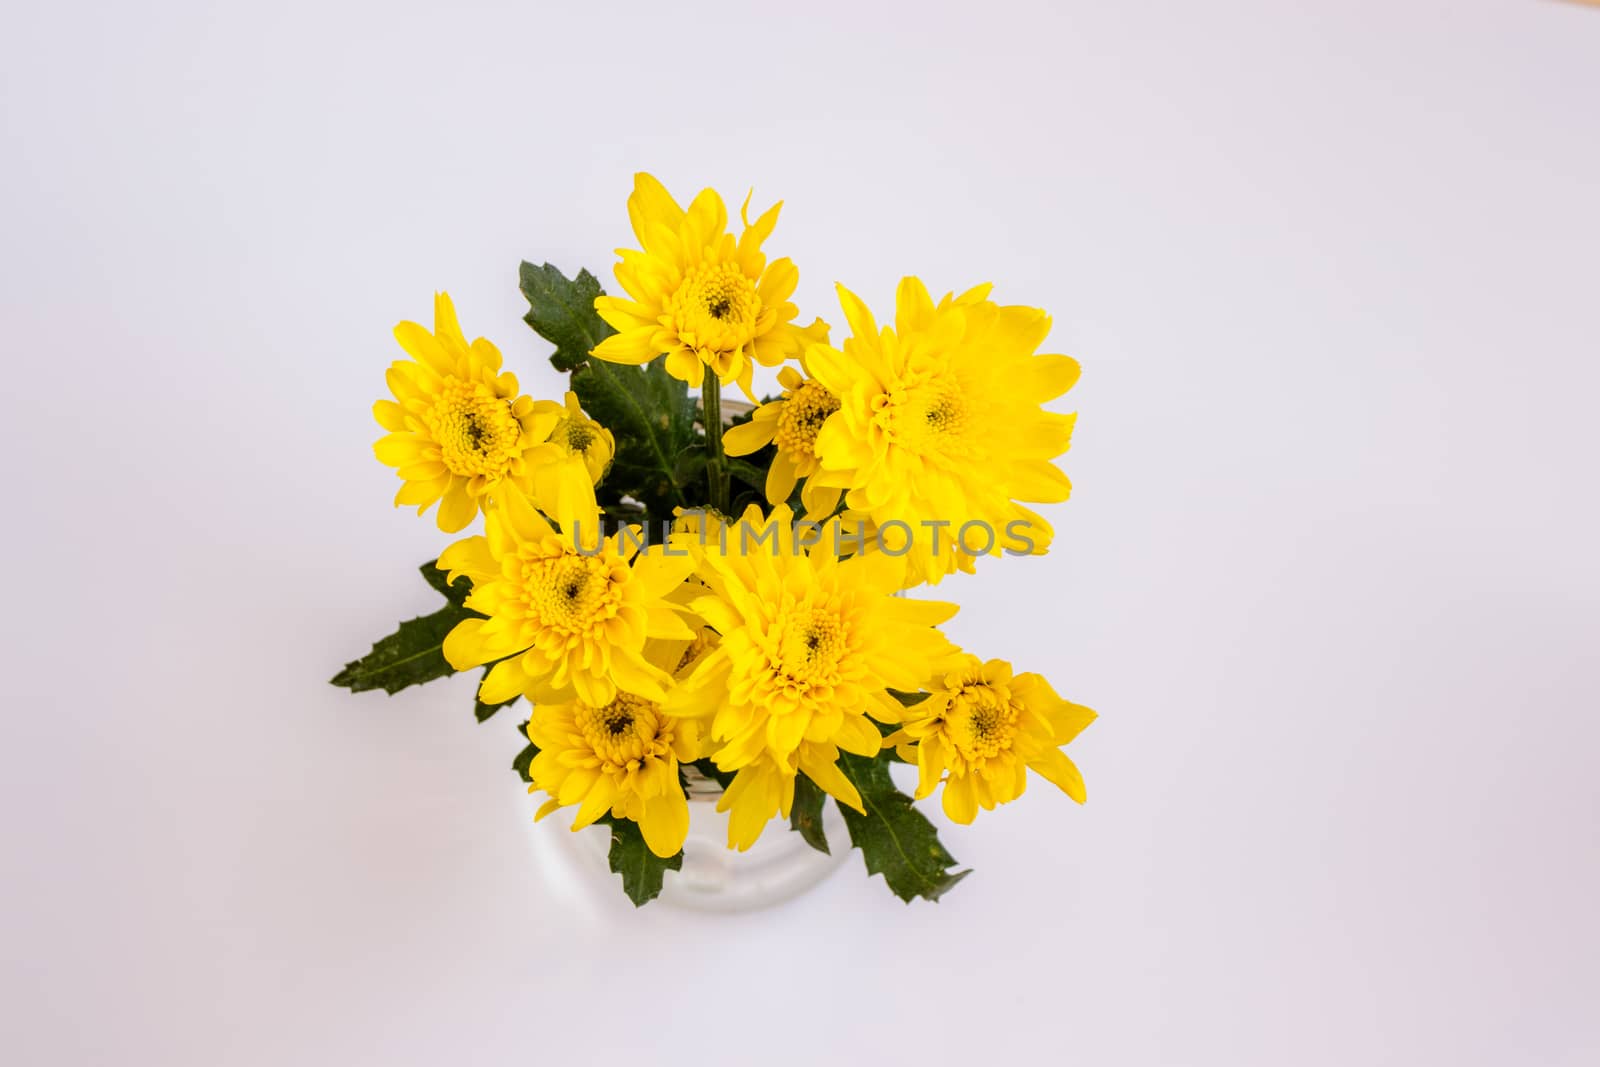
[1328, 574]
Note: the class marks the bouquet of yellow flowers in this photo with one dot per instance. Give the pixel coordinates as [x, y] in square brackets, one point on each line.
[677, 593]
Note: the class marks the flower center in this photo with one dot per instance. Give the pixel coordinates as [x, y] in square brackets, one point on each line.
[802, 415]
[811, 645]
[578, 434]
[715, 309]
[571, 593]
[980, 723]
[625, 732]
[476, 431]
[929, 417]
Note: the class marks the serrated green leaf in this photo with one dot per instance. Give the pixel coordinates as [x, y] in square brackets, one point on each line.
[440, 580]
[561, 310]
[642, 871]
[411, 655]
[805, 814]
[414, 653]
[896, 840]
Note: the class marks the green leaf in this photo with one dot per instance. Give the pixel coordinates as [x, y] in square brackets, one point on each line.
[525, 758]
[414, 653]
[896, 840]
[747, 472]
[561, 310]
[651, 416]
[411, 655]
[642, 871]
[440, 580]
[483, 711]
[805, 815]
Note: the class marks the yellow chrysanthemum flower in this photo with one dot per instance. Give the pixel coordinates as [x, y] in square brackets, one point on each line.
[621, 757]
[697, 294]
[807, 645]
[791, 423]
[981, 729]
[458, 430]
[567, 464]
[941, 425]
[568, 614]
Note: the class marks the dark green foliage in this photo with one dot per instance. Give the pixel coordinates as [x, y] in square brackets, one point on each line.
[642, 871]
[525, 758]
[895, 839]
[455, 594]
[411, 655]
[805, 816]
[561, 310]
[651, 416]
[414, 653]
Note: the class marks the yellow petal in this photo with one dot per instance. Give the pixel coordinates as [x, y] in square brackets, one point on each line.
[830, 367]
[505, 680]
[632, 674]
[424, 347]
[747, 437]
[464, 646]
[665, 822]
[1055, 767]
[780, 478]
[632, 347]
[659, 572]
[602, 795]
[513, 508]
[649, 205]
[857, 314]
[1038, 482]
[960, 803]
[469, 556]
[457, 508]
[778, 283]
[858, 736]
[705, 220]
[1045, 377]
[444, 320]
[685, 366]
[829, 778]
[665, 624]
[913, 306]
[397, 449]
[918, 612]
[390, 416]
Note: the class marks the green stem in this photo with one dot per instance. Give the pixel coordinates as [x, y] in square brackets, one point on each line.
[716, 466]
